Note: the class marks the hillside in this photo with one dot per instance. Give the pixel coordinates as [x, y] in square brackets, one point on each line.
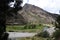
[32, 14]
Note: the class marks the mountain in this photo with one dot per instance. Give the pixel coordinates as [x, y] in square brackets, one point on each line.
[32, 14]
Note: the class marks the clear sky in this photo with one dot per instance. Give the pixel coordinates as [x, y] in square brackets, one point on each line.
[52, 6]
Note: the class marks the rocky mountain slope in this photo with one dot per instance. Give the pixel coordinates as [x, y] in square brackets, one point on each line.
[34, 15]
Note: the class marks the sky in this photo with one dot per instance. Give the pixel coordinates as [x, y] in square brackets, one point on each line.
[48, 5]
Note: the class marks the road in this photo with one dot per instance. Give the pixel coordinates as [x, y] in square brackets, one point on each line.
[19, 34]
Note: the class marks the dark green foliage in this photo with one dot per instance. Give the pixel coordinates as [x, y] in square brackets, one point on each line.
[56, 34]
[5, 36]
[32, 26]
[6, 10]
[58, 19]
[57, 24]
[40, 24]
[43, 34]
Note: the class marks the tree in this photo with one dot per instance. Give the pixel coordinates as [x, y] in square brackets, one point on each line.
[5, 10]
[57, 32]
[58, 22]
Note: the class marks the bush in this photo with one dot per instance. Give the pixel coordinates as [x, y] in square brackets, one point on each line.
[32, 26]
[25, 27]
[56, 34]
[43, 34]
[40, 24]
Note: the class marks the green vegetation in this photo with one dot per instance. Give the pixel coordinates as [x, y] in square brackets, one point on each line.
[32, 38]
[57, 33]
[30, 28]
[25, 28]
[44, 34]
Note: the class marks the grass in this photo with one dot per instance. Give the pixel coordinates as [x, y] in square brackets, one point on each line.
[32, 38]
[20, 28]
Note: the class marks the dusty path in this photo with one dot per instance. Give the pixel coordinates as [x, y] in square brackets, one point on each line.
[19, 34]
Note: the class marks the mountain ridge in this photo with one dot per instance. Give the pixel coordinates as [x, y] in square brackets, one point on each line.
[33, 14]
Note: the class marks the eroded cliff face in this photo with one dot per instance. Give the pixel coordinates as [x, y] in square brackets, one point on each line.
[33, 14]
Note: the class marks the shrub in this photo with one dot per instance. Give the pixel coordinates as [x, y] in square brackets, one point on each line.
[25, 27]
[40, 24]
[44, 34]
[32, 26]
[56, 34]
